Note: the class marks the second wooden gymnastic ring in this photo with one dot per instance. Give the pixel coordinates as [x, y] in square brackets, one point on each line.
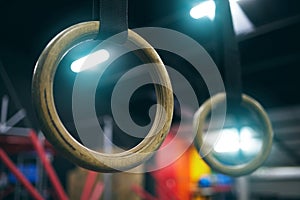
[237, 170]
[58, 135]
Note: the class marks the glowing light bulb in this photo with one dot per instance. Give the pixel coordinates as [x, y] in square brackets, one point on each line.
[228, 142]
[90, 61]
[204, 9]
[248, 142]
[232, 141]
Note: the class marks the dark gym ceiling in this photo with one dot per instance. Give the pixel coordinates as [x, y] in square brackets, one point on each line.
[270, 56]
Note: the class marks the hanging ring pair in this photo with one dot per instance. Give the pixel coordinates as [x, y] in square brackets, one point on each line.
[56, 132]
[59, 136]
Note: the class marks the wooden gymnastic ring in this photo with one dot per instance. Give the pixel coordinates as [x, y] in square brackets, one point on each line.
[238, 170]
[57, 134]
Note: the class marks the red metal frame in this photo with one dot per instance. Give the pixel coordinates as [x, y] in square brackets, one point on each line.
[48, 167]
[38, 147]
[97, 192]
[11, 166]
[89, 182]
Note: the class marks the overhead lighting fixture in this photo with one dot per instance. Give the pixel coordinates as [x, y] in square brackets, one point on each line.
[232, 141]
[228, 142]
[241, 22]
[249, 142]
[90, 61]
[204, 9]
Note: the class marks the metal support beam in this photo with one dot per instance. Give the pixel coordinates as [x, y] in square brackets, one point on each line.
[242, 188]
[274, 26]
[276, 173]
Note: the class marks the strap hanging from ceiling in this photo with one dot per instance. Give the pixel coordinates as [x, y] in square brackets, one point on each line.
[230, 54]
[95, 10]
[113, 18]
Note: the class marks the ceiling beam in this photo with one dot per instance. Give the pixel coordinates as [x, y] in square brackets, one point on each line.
[273, 26]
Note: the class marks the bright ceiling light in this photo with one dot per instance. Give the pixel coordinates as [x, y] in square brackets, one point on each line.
[204, 9]
[90, 61]
[241, 22]
[249, 142]
[232, 141]
[228, 142]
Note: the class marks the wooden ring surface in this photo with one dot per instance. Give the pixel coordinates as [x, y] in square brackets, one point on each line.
[58, 135]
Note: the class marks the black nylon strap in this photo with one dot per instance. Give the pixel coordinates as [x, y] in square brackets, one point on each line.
[230, 52]
[113, 18]
[96, 9]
